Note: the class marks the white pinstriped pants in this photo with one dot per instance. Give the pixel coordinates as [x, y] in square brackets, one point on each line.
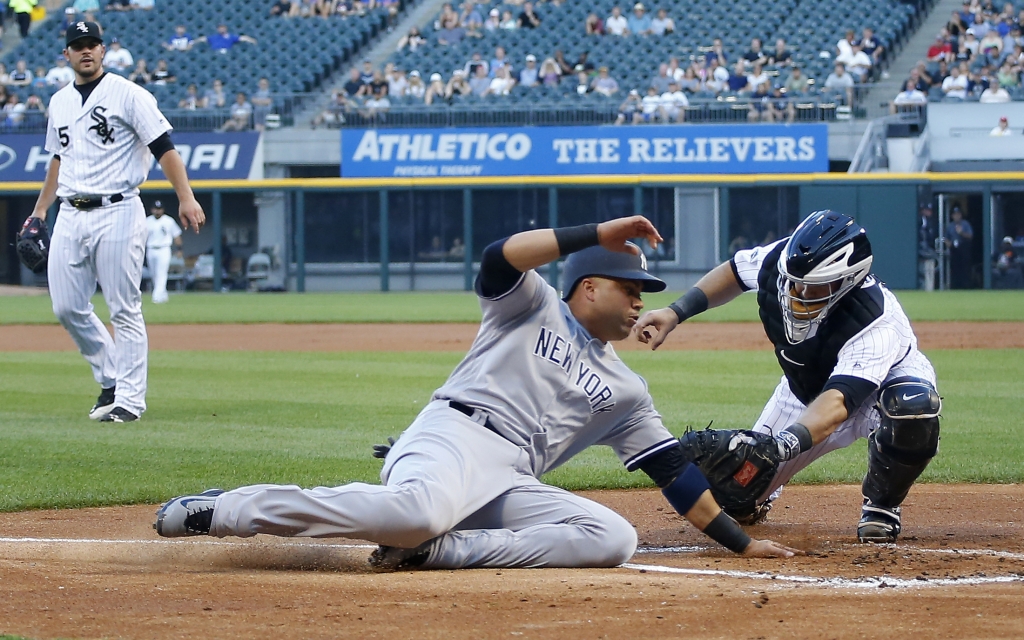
[105, 245]
[784, 408]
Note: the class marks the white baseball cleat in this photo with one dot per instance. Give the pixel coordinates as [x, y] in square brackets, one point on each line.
[187, 515]
[104, 404]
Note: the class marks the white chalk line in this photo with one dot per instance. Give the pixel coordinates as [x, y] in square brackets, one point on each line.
[900, 547]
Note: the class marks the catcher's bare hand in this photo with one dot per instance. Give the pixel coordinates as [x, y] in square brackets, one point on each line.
[654, 326]
[769, 549]
[382, 450]
[613, 234]
[191, 214]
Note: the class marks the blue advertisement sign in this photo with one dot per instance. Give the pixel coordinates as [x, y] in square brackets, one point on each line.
[206, 155]
[600, 150]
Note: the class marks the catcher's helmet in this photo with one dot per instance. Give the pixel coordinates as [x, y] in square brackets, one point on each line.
[598, 261]
[827, 249]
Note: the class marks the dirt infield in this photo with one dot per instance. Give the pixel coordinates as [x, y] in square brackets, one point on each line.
[458, 337]
[957, 573]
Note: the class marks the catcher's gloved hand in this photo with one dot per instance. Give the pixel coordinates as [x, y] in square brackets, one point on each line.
[738, 464]
[381, 450]
[34, 244]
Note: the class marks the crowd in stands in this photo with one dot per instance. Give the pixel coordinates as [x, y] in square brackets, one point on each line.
[978, 55]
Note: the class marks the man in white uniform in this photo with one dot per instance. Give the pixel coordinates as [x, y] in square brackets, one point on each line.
[161, 232]
[851, 368]
[540, 384]
[103, 132]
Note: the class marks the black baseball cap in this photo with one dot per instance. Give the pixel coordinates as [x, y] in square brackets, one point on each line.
[158, 205]
[598, 261]
[80, 30]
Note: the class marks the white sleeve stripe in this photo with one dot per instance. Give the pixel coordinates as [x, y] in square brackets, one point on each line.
[633, 462]
[518, 283]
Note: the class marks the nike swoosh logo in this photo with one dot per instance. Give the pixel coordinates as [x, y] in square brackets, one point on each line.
[782, 352]
[906, 397]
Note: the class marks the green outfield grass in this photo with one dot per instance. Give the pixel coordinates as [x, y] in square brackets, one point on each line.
[228, 419]
[463, 307]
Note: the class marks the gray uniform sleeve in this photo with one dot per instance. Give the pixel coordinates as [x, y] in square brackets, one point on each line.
[640, 435]
[529, 294]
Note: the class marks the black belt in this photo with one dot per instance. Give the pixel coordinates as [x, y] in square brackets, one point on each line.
[469, 411]
[84, 203]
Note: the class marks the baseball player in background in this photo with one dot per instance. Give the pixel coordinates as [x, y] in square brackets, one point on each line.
[540, 384]
[851, 368]
[103, 132]
[161, 232]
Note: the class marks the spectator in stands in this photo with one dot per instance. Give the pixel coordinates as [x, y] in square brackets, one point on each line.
[870, 45]
[35, 111]
[927, 232]
[616, 24]
[416, 87]
[284, 8]
[118, 59]
[690, 83]
[1001, 129]
[955, 86]
[145, 5]
[783, 108]
[755, 55]
[83, 6]
[662, 80]
[583, 83]
[59, 75]
[583, 60]
[738, 78]
[650, 106]
[397, 83]
[1006, 267]
[674, 104]
[375, 84]
[262, 104]
[21, 76]
[223, 40]
[13, 112]
[845, 46]
[163, 75]
[674, 70]
[860, 64]
[241, 112]
[435, 91]
[498, 61]
[413, 40]
[563, 65]
[717, 77]
[979, 26]
[959, 235]
[991, 45]
[367, 73]
[118, 5]
[501, 84]
[5, 79]
[458, 84]
[446, 12]
[215, 98]
[919, 74]
[994, 93]
[756, 77]
[663, 24]
[781, 57]
[451, 33]
[639, 23]
[761, 105]
[334, 114]
[376, 106]
[480, 83]
[910, 99]
[471, 21]
[971, 42]
[39, 79]
[70, 17]
[841, 81]
[1008, 75]
[550, 74]
[141, 75]
[476, 61]
[493, 21]
[976, 84]
[529, 76]
[508, 22]
[180, 41]
[191, 101]
[593, 25]
[956, 27]
[718, 53]
[604, 83]
[941, 49]
[528, 19]
[630, 109]
[354, 85]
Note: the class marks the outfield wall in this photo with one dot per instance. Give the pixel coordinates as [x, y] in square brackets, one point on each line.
[427, 233]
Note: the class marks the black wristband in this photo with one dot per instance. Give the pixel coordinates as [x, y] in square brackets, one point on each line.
[573, 239]
[727, 533]
[690, 304]
[803, 435]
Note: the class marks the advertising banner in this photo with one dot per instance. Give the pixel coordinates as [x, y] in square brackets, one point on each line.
[206, 155]
[593, 150]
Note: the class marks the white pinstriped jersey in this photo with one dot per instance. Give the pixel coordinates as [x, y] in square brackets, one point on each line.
[103, 144]
[869, 354]
[161, 231]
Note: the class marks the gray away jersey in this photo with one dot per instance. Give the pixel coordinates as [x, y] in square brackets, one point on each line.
[103, 144]
[550, 387]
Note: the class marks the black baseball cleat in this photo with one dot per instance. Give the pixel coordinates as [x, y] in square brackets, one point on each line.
[119, 414]
[878, 524]
[103, 405]
[187, 515]
[399, 559]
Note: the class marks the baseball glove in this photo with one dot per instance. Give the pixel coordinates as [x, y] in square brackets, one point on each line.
[34, 244]
[738, 464]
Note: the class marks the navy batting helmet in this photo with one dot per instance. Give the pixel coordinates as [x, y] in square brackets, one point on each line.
[598, 261]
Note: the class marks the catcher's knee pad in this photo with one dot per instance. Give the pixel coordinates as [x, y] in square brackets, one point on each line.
[909, 409]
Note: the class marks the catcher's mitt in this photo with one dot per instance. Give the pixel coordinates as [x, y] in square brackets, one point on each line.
[34, 244]
[738, 464]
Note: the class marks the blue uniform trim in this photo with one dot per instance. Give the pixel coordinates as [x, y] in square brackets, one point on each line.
[636, 461]
[497, 276]
[687, 489]
[855, 390]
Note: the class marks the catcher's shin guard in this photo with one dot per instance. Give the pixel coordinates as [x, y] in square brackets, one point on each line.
[898, 452]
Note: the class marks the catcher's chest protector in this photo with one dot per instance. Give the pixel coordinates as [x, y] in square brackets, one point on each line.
[809, 364]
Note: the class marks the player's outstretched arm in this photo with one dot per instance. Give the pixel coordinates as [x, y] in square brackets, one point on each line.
[189, 210]
[707, 516]
[532, 249]
[716, 288]
[48, 194]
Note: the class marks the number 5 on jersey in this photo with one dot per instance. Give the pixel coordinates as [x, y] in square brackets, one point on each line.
[62, 133]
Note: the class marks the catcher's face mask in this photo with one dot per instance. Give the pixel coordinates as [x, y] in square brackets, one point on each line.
[807, 301]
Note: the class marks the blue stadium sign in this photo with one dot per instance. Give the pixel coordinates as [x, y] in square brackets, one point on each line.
[207, 156]
[604, 150]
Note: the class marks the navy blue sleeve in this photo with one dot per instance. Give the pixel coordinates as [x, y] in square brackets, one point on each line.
[497, 276]
[855, 390]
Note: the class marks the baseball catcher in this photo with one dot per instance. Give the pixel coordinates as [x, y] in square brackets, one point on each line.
[34, 244]
[851, 370]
